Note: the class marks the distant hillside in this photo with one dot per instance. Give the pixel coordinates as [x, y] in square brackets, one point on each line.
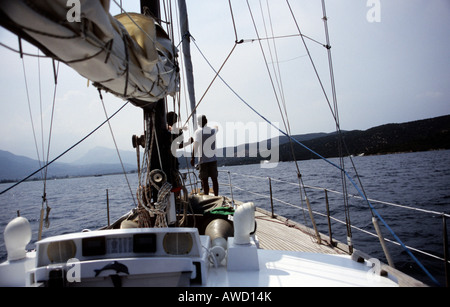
[102, 155]
[422, 135]
[14, 167]
[101, 162]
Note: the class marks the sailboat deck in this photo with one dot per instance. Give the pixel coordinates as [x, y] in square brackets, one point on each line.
[278, 233]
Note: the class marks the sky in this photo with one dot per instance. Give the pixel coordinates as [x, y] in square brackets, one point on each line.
[390, 61]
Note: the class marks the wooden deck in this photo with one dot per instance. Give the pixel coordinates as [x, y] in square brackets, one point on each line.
[278, 233]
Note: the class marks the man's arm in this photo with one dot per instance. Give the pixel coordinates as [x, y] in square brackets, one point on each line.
[189, 142]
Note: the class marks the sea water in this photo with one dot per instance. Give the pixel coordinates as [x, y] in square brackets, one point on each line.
[420, 180]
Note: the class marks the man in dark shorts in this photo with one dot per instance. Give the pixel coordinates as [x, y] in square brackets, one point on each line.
[204, 148]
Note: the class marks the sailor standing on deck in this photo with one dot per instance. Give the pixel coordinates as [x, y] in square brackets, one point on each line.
[204, 148]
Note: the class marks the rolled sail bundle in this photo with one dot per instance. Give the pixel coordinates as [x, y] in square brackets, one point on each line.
[130, 56]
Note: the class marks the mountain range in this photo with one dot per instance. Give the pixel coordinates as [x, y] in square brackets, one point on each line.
[98, 161]
[422, 135]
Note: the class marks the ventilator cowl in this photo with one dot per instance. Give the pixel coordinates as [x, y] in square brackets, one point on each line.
[17, 235]
[244, 223]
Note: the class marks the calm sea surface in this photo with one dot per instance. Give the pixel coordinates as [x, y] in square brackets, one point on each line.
[420, 180]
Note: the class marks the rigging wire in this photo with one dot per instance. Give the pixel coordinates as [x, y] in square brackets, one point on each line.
[40, 103]
[275, 62]
[267, 66]
[234, 23]
[284, 133]
[278, 97]
[277, 37]
[30, 112]
[210, 84]
[338, 129]
[311, 60]
[184, 87]
[335, 116]
[66, 151]
[44, 196]
[327, 161]
[117, 147]
[56, 72]
[300, 182]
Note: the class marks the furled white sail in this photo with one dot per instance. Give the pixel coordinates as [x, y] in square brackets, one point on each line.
[129, 56]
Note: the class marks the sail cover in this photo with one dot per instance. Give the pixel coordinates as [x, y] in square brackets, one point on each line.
[129, 55]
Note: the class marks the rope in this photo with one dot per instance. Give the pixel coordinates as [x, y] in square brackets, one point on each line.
[146, 208]
[161, 205]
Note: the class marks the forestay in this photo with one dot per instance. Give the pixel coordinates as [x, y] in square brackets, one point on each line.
[129, 56]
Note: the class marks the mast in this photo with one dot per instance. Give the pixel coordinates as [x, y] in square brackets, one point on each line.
[162, 154]
[155, 115]
[184, 25]
[152, 7]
